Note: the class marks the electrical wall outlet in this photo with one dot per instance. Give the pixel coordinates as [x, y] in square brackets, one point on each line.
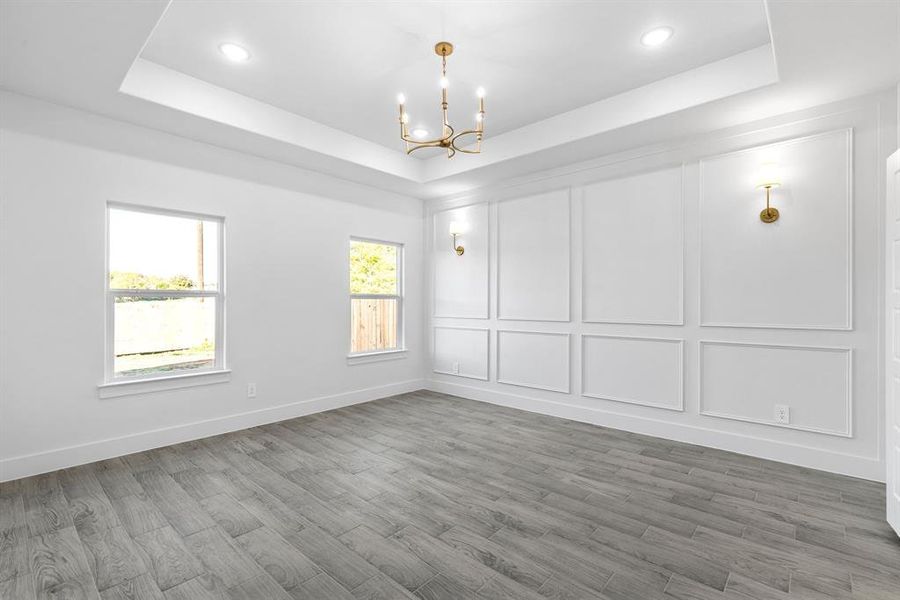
[456, 368]
[782, 413]
[251, 390]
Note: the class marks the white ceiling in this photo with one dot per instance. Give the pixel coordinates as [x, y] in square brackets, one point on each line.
[342, 63]
[88, 55]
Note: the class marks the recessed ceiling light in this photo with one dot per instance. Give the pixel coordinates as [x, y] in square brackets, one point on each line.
[657, 36]
[234, 52]
[420, 133]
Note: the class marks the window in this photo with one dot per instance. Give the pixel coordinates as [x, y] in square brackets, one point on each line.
[376, 296]
[165, 303]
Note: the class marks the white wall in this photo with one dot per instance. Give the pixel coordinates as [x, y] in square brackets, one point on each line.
[642, 291]
[287, 290]
[619, 326]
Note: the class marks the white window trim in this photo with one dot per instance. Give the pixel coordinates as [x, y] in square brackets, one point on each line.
[355, 358]
[113, 386]
[131, 387]
[361, 358]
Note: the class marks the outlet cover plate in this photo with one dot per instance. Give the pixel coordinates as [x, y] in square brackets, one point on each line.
[782, 413]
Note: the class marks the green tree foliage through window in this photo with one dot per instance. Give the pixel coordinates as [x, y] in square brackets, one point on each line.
[373, 268]
[139, 281]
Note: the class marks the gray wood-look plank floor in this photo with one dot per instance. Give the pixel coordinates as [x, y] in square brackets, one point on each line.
[435, 497]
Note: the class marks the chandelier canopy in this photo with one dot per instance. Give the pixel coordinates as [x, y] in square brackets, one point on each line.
[449, 138]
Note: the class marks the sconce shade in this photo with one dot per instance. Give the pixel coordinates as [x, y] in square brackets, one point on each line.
[456, 228]
[769, 176]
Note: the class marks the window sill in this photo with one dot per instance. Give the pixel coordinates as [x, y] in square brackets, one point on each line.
[116, 389]
[369, 357]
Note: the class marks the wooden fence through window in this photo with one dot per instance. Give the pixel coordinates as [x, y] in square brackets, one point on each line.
[373, 324]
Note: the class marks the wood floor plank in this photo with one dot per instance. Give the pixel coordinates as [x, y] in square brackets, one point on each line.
[59, 568]
[425, 495]
[230, 515]
[757, 566]
[463, 570]
[561, 557]
[282, 561]
[182, 512]
[558, 588]
[807, 568]
[141, 587]
[382, 587]
[333, 557]
[116, 478]
[167, 558]
[13, 533]
[46, 508]
[17, 588]
[202, 587]
[222, 557]
[112, 556]
[504, 588]
[321, 586]
[13, 553]
[261, 586]
[138, 514]
[391, 558]
[93, 512]
[273, 513]
[504, 561]
[677, 560]
[197, 482]
[442, 587]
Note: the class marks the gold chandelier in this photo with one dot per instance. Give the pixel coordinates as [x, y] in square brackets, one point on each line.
[449, 136]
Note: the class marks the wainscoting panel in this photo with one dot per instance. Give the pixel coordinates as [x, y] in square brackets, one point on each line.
[745, 382]
[633, 249]
[646, 371]
[461, 351]
[461, 282]
[534, 257]
[533, 359]
[795, 272]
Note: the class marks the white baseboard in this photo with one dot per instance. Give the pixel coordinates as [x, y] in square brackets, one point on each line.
[61, 458]
[814, 458]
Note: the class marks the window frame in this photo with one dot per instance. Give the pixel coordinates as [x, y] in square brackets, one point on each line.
[400, 349]
[218, 366]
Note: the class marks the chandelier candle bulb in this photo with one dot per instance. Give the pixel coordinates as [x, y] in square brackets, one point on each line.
[450, 138]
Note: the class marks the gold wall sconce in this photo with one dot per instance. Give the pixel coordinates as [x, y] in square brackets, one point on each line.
[457, 229]
[768, 178]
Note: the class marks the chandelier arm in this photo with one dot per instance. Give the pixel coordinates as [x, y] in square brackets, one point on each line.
[475, 132]
[425, 145]
[464, 151]
[442, 140]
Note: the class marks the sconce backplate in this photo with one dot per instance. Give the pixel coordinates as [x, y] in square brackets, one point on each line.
[460, 250]
[768, 215]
